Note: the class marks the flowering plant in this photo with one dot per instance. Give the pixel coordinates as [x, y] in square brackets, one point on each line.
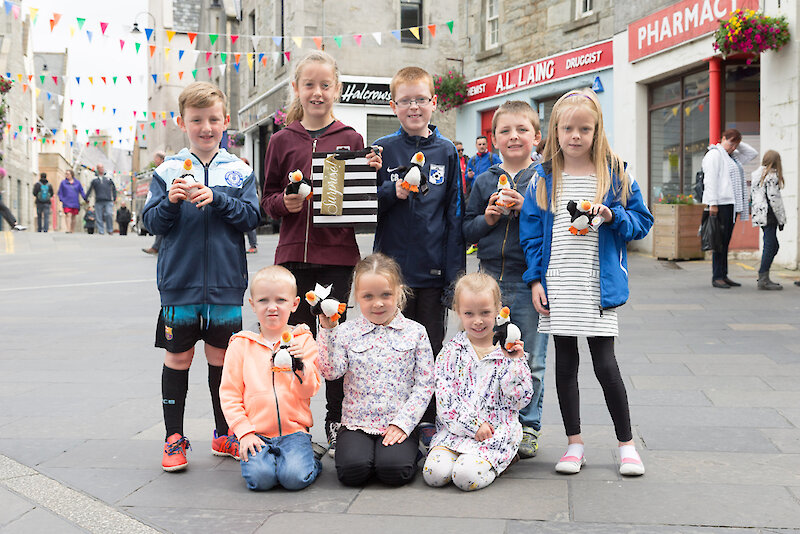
[750, 32]
[450, 89]
[236, 139]
[5, 85]
[280, 117]
[676, 199]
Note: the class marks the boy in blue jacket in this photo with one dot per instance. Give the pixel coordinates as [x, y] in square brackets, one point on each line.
[421, 231]
[201, 201]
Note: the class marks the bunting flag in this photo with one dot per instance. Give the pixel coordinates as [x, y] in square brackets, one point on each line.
[298, 41]
[432, 29]
[415, 32]
[89, 35]
[288, 55]
[194, 74]
[152, 50]
[56, 17]
[213, 38]
[7, 5]
[55, 80]
[233, 39]
[91, 80]
[277, 41]
[180, 75]
[104, 80]
[148, 32]
[237, 57]
[255, 39]
[121, 45]
[114, 78]
[338, 40]
[223, 56]
[155, 78]
[170, 35]
[180, 55]
[103, 26]
[396, 34]
[318, 42]
[166, 76]
[236, 66]
[129, 79]
[137, 45]
[191, 37]
[357, 39]
[450, 26]
[250, 60]
[166, 53]
[52, 25]
[208, 56]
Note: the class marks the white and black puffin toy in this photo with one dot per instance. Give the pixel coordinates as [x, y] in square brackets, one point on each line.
[582, 219]
[282, 359]
[506, 333]
[299, 184]
[321, 304]
[504, 201]
[411, 176]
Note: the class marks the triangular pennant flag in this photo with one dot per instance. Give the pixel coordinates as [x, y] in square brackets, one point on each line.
[152, 50]
[223, 56]
[141, 127]
[38, 91]
[103, 26]
[172, 114]
[20, 129]
[71, 101]
[396, 34]
[24, 87]
[208, 56]
[49, 96]
[80, 22]
[450, 26]
[180, 54]
[114, 78]
[191, 37]
[153, 125]
[298, 41]
[233, 39]
[82, 104]
[194, 74]
[209, 71]
[415, 32]
[277, 41]
[153, 113]
[89, 35]
[55, 80]
[338, 40]
[261, 56]
[129, 80]
[104, 80]
[137, 45]
[164, 122]
[255, 39]
[236, 66]
[42, 79]
[56, 17]
[432, 29]
[288, 55]
[166, 52]
[52, 25]
[113, 111]
[250, 60]
[357, 39]
[104, 109]
[19, 76]
[148, 32]
[180, 75]
[213, 38]
[93, 108]
[222, 68]
[166, 76]
[237, 57]
[134, 114]
[263, 60]
[72, 31]
[34, 13]
[318, 42]
[91, 80]
[30, 77]
[7, 5]
[155, 78]
[170, 35]
[121, 45]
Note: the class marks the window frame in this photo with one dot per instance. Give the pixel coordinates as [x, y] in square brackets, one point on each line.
[406, 37]
[580, 8]
[490, 20]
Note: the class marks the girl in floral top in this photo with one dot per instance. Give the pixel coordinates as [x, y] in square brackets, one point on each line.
[480, 388]
[387, 364]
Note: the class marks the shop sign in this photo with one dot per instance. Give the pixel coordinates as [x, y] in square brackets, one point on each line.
[588, 59]
[365, 93]
[679, 23]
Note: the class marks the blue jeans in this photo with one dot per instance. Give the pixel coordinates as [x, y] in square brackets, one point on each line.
[771, 247]
[104, 214]
[42, 216]
[285, 460]
[517, 296]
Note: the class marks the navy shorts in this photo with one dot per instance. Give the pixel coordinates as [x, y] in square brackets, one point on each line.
[180, 327]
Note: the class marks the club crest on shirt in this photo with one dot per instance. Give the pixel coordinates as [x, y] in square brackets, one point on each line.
[168, 332]
[234, 178]
[436, 174]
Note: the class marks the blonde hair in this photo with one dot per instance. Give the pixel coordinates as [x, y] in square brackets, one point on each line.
[516, 107]
[385, 266]
[275, 273]
[410, 75]
[295, 111]
[479, 282]
[202, 95]
[772, 163]
[606, 162]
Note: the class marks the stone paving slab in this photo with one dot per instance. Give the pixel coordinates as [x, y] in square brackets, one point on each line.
[197, 521]
[40, 520]
[724, 468]
[385, 524]
[13, 507]
[723, 439]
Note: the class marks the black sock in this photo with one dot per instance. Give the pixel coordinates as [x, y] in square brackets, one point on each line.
[174, 385]
[214, 380]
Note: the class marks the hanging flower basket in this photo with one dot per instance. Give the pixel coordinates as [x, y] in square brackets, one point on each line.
[450, 89]
[236, 140]
[280, 117]
[5, 85]
[750, 32]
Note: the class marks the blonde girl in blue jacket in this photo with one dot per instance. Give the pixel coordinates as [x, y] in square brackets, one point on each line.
[578, 279]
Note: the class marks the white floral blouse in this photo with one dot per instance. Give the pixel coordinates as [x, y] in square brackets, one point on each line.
[472, 391]
[387, 369]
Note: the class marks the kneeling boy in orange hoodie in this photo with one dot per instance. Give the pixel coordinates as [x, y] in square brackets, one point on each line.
[266, 388]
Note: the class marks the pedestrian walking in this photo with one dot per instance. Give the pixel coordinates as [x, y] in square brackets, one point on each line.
[105, 193]
[89, 219]
[768, 212]
[579, 275]
[725, 193]
[158, 159]
[124, 217]
[70, 192]
[5, 212]
[43, 192]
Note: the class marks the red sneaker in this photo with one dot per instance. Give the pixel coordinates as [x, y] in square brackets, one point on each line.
[226, 445]
[175, 453]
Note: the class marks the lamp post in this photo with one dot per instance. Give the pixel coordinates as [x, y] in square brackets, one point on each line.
[135, 28]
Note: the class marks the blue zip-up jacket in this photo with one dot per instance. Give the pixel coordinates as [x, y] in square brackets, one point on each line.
[630, 222]
[422, 233]
[202, 255]
[499, 248]
[480, 164]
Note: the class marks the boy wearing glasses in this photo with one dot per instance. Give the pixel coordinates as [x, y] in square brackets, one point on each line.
[421, 231]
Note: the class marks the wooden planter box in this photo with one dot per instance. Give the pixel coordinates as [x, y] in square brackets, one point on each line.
[675, 231]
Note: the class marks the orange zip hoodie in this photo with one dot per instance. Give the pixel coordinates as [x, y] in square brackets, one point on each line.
[256, 399]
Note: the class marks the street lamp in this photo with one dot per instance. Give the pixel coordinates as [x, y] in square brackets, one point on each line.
[135, 29]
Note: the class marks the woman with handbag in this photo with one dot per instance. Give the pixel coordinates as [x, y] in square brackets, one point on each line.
[768, 211]
[725, 193]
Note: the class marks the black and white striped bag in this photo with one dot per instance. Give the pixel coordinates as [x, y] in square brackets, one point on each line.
[360, 195]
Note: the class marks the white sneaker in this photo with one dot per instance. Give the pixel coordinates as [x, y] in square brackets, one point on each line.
[630, 464]
[19, 227]
[569, 465]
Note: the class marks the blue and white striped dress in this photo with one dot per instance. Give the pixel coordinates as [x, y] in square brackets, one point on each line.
[573, 275]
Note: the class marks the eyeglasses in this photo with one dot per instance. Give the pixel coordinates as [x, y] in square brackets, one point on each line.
[406, 102]
[460, 150]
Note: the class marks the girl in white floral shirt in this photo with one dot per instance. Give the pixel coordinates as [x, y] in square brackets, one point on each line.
[480, 388]
[387, 364]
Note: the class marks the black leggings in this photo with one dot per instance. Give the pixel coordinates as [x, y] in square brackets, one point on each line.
[360, 455]
[607, 373]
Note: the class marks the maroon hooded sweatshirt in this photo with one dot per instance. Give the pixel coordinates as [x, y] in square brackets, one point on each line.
[300, 240]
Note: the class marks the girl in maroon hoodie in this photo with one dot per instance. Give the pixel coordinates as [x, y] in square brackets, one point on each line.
[313, 254]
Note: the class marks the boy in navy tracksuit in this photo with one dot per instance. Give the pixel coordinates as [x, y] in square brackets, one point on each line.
[201, 201]
[422, 232]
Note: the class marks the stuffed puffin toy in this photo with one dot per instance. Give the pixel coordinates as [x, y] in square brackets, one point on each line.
[187, 171]
[506, 333]
[283, 361]
[582, 219]
[322, 305]
[299, 184]
[412, 177]
[504, 201]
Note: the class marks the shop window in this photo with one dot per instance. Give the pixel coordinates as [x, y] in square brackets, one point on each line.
[678, 131]
[410, 17]
[492, 24]
[380, 125]
[583, 8]
[742, 108]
